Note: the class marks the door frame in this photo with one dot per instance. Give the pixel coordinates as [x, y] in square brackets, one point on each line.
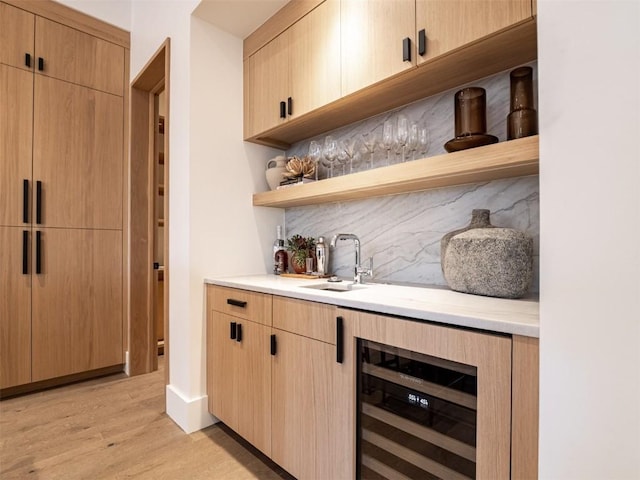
[153, 78]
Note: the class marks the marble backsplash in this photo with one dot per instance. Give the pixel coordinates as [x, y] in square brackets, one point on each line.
[403, 232]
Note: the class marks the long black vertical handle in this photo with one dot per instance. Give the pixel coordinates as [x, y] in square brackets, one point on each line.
[422, 42]
[273, 345]
[40, 64]
[406, 50]
[239, 333]
[290, 106]
[25, 201]
[233, 332]
[38, 252]
[283, 110]
[38, 202]
[25, 252]
[27, 59]
[339, 339]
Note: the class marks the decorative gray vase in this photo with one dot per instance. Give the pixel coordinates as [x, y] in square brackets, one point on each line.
[486, 260]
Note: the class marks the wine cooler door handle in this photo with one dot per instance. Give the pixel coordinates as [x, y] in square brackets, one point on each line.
[25, 252]
[38, 252]
[406, 49]
[233, 330]
[239, 333]
[25, 201]
[422, 42]
[273, 345]
[339, 339]
[38, 202]
[236, 303]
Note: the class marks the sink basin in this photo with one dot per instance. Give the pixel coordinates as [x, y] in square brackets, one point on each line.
[335, 286]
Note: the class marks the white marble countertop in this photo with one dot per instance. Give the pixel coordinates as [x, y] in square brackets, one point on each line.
[441, 305]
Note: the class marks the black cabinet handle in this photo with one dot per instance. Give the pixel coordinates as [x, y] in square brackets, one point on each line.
[406, 50]
[236, 303]
[25, 252]
[232, 333]
[339, 339]
[273, 345]
[27, 59]
[40, 64]
[422, 42]
[239, 333]
[25, 201]
[38, 252]
[38, 202]
[290, 106]
[283, 110]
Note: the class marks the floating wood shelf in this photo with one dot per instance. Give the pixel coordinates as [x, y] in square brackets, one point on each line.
[514, 158]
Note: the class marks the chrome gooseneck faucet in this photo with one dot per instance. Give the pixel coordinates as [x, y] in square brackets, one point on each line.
[359, 271]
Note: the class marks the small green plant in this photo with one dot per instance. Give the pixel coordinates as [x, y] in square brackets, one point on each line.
[301, 248]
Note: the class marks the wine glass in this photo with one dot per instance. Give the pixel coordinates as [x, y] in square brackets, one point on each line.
[412, 140]
[348, 146]
[402, 134]
[423, 140]
[330, 152]
[387, 138]
[315, 152]
[369, 140]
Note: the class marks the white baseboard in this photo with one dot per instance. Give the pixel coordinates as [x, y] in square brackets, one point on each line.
[190, 414]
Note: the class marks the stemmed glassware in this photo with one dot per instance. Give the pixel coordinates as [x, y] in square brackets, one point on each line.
[402, 134]
[330, 152]
[348, 146]
[369, 140]
[423, 140]
[315, 152]
[412, 140]
[387, 138]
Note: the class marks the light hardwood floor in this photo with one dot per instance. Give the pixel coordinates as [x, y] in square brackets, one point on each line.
[115, 428]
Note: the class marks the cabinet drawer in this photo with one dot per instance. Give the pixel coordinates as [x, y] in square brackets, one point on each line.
[313, 320]
[241, 303]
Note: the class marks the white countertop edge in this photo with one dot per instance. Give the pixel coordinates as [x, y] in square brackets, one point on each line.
[451, 308]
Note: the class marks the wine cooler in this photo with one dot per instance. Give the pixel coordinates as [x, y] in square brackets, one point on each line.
[416, 415]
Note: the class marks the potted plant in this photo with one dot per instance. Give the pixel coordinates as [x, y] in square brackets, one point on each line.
[301, 248]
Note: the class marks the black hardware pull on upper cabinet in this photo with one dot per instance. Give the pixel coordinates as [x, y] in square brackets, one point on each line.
[422, 42]
[406, 50]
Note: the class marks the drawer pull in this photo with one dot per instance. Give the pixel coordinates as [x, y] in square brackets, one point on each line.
[38, 252]
[273, 345]
[339, 340]
[38, 202]
[239, 333]
[236, 303]
[406, 50]
[233, 330]
[25, 201]
[422, 42]
[25, 252]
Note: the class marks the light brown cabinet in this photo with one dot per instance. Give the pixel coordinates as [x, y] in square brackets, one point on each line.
[296, 72]
[62, 171]
[238, 367]
[372, 36]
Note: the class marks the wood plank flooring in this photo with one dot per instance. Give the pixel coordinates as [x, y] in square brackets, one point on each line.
[115, 428]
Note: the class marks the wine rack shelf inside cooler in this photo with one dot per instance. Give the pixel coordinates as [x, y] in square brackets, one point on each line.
[417, 415]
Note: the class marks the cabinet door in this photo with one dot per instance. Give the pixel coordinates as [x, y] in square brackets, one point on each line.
[77, 302]
[221, 365]
[449, 24]
[16, 127]
[77, 155]
[15, 308]
[372, 35]
[267, 84]
[16, 36]
[78, 57]
[314, 56]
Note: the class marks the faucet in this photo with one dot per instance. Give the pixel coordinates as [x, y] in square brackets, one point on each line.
[359, 271]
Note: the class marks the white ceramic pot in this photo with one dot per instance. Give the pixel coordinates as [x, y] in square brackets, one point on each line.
[275, 170]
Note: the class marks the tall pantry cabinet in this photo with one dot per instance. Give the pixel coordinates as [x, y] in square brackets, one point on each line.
[62, 171]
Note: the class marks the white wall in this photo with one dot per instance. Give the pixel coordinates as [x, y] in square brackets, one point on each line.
[115, 12]
[589, 76]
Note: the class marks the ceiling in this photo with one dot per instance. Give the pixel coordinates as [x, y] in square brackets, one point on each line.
[238, 17]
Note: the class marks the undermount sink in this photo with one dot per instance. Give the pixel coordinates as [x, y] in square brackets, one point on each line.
[336, 286]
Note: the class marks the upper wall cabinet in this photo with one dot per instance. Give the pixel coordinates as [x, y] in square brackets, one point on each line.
[16, 37]
[444, 25]
[296, 72]
[376, 41]
[316, 66]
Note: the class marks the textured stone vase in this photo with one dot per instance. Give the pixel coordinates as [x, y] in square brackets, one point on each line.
[486, 260]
